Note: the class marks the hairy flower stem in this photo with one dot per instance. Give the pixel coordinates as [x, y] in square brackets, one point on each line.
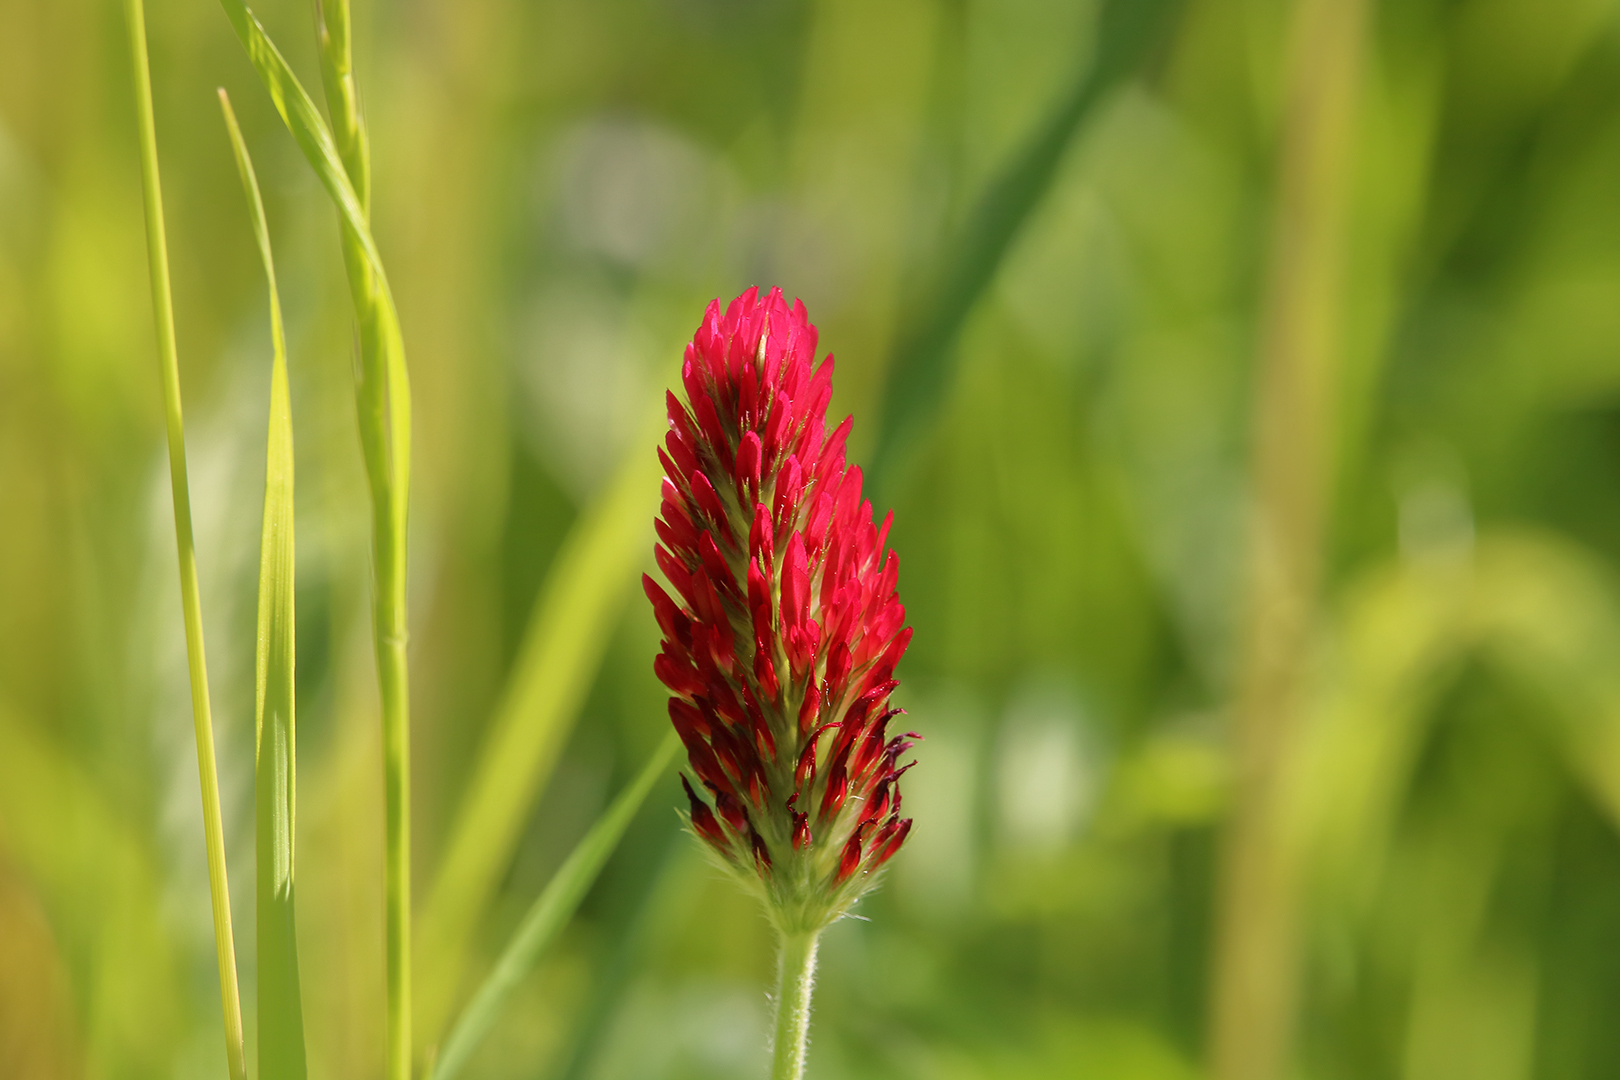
[796, 977]
[191, 602]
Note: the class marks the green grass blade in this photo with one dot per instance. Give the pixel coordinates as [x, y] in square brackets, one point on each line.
[281, 1013]
[384, 405]
[562, 648]
[922, 365]
[549, 914]
[191, 602]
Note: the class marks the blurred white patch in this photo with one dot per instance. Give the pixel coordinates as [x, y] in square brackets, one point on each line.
[641, 198]
[225, 457]
[776, 239]
[936, 868]
[722, 1027]
[585, 372]
[1062, 284]
[22, 198]
[636, 192]
[700, 1027]
[1046, 781]
[1436, 521]
[1179, 776]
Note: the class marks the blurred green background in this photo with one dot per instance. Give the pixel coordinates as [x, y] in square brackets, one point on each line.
[560, 188]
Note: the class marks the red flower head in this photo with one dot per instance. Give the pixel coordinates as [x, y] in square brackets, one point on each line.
[782, 639]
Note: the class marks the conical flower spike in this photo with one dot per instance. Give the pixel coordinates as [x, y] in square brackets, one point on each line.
[782, 636]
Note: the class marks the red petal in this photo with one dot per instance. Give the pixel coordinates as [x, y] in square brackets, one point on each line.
[775, 426]
[830, 467]
[704, 495]
[810, 709]
[678, 676]
[749, 455]
[675, 572]
[805, 771]
[689, 723]
[786, 511]
[886, 850]
[837, 790]
[761, 544]
[795, 584]
[838, 665]
[732, 811]
[680, 421]
[671, 619]
[709, 422]
[703, 819]
[719, 571]
[850, 860]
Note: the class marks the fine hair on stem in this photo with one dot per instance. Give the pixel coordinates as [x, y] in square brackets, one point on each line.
[795, 982]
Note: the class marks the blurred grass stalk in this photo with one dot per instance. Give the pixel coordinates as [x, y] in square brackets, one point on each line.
[920, 371]
[169, 365]
[1296, 378]
[281, 1011]
[384, 404]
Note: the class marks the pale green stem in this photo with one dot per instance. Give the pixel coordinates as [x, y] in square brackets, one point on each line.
[384, 403]
[795, 979]
[390, 631]
[169, 365]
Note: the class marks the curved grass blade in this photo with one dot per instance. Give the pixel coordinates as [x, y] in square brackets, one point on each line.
[561, 652]
[921, 368]
[384, 406]
[549, 914]
[281, 1013]
[191, 601]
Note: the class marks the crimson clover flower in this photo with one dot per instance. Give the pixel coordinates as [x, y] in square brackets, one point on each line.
[781, 640]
